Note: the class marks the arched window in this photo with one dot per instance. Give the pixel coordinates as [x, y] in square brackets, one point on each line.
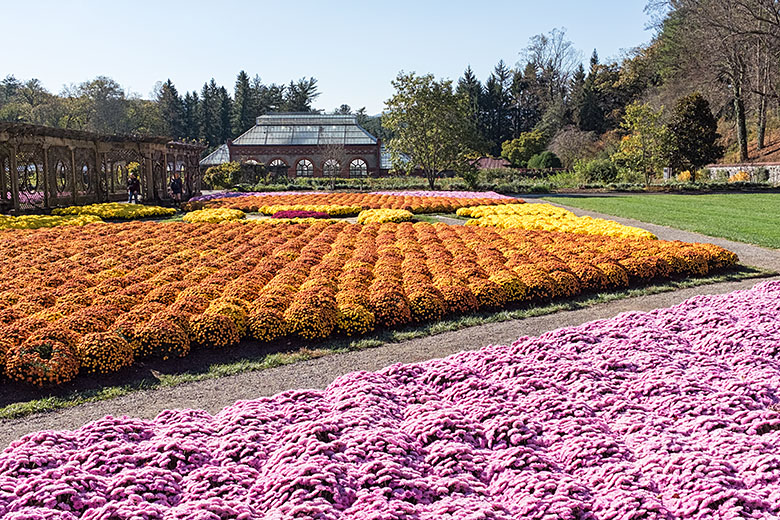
[331, 168]
[305, 168]
[358, 168]
[277, 169]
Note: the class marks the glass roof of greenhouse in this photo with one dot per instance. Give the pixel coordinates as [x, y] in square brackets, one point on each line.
[218, 156]
[305, 129]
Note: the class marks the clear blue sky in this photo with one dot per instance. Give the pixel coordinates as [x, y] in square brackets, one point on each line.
[354, 48]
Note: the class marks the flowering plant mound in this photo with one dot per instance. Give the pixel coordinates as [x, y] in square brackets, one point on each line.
[45, 221]
[42, 362]
[214, 215]
[213, 330]
[380, 216]
[117, 210]
[455, 194]
[154, 285]
[670, 414]
[231, 194]
[330, 210]
[358, 201]
[548, 218]
[740, 176]
[300, 213]
[103, 353]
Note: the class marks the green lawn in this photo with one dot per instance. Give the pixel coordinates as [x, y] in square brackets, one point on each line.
[744, 217]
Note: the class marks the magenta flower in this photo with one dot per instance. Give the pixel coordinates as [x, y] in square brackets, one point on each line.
[670, 414]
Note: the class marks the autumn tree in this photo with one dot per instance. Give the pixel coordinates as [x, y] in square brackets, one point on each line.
[644, 148]
[430, 124]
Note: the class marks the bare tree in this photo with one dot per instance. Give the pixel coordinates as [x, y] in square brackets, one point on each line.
[733, 44]
[555, 59]
[572, 144]
[334, 156]
[715, 52]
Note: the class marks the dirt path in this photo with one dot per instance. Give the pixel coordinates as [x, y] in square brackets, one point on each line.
[213, 395]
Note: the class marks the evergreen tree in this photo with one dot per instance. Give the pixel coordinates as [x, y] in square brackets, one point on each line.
[526, 103]
[497, 107]
[171, 109]
[244, 106]
[225, 108]
[191, 119]
[693, 134]
[209, 114]
[594, 62]
[299, 96]
[470, 89]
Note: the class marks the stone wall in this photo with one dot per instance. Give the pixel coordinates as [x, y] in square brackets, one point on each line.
[724, 171]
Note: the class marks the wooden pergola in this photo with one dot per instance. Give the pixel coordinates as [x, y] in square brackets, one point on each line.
[43, 167]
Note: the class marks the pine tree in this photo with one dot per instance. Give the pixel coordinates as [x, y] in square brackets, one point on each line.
[171, 109]
[470, 89]
[497, 107]
[209, 114]
[244, 105]
[191, 119]
[225, 108]
[526, 103]
[299, 96]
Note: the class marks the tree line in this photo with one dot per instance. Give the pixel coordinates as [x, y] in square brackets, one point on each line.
[689, 96]
[101, 105]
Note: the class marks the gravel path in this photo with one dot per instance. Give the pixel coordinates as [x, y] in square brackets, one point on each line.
[213, 395]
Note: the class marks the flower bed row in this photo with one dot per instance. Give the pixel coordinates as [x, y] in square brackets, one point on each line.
[45, 221]
[547, 218]
[456, 194]
[333, 210]
[415, 204]
[290, 214]
[151, 284]
[670, 414]
[214, 215]
[379, 216]
[117, 210]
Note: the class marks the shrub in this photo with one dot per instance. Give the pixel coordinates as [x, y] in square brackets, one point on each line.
[104, 352]
[519, 151]
[761, 174]
[544, 161]
[599, 170]
[225, 175]
[684, 176]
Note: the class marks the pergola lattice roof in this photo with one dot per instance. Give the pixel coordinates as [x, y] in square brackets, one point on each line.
[306, 129]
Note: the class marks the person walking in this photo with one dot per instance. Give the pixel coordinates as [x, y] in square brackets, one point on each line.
[133, 188]
[176, 187]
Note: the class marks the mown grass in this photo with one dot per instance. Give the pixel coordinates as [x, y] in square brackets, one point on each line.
[301, 352]
[753, 218]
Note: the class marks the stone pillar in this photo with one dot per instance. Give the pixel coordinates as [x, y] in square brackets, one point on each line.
[14, 179]
[72, 175]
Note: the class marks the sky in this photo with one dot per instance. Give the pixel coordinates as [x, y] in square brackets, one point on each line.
[353, 48]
